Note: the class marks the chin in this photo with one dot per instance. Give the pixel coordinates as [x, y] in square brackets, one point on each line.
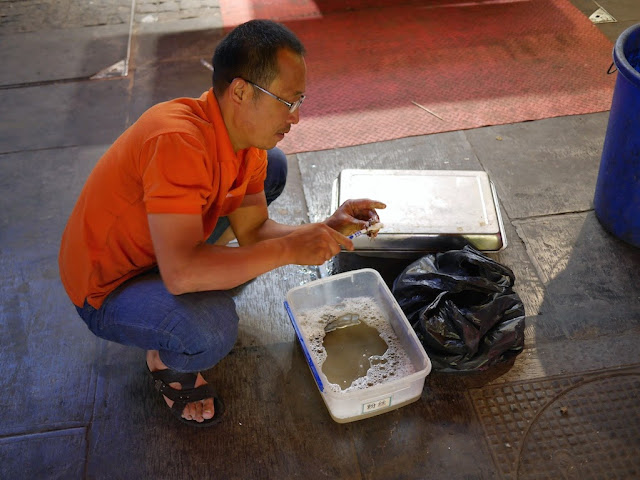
[268, 145]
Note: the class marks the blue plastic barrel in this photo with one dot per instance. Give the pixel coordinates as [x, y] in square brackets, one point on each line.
[617, 196]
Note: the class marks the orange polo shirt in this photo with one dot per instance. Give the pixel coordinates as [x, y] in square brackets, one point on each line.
[177, 158]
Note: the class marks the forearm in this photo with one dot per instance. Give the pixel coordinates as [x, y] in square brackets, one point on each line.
[189, 265]
[268, 230]
[210, 267]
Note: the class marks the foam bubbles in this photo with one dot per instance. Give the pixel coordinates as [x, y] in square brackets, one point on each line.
[393, 364]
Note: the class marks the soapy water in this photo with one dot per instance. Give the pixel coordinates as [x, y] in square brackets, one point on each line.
[391, 365]
[350, 349]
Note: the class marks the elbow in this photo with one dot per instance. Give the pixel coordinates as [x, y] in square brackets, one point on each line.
[175, 289]
[175, 282]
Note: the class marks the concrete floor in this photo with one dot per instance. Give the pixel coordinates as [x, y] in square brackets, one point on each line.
[74, 406]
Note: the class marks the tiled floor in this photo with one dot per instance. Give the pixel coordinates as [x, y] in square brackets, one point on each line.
[74, 406]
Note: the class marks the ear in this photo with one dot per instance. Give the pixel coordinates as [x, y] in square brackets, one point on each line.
[238, 90]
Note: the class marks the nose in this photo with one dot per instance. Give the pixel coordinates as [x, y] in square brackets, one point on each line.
[295, 116]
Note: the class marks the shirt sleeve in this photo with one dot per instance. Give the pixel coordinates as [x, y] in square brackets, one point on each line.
[175, 177]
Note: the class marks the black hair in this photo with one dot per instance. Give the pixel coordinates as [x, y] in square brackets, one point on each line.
[250, 51]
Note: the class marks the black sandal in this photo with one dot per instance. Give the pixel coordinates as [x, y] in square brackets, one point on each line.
[188, 394]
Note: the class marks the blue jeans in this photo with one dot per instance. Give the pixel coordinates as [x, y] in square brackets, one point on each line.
[193, 331]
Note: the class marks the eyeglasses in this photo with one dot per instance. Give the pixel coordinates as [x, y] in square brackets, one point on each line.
[292, 106]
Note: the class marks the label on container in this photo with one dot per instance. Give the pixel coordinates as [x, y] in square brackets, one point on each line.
[377, 405]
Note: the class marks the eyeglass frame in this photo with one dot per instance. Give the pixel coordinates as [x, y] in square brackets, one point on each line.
[293, 106]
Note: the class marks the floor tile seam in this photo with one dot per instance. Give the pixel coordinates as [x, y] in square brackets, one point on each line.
[52, 30]
[539, 272]
[157, 62]
[127, 59]
[45, 83]
[550, 215]
[531, 374]
[519, 222]
[593, 373]
[515, 220]
[71, 428]
[541, 342]
[42, 149]
[94, 380]
[300, 181]
[356, 455]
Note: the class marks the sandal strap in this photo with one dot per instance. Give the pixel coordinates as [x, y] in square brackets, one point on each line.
[185, 379]
[188, 394]
[192, 395]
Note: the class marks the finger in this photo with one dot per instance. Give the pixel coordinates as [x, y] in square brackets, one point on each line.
[368, 204]
[342, 240]
[377, 204]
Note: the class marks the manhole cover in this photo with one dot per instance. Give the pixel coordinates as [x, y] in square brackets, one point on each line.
[569, 427]
[591, 431]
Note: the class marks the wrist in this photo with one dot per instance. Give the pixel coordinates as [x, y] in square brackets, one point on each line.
[331, 223]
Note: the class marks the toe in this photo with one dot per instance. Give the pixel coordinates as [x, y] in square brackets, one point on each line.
[207, 410]
[197, 407]
[188, 412]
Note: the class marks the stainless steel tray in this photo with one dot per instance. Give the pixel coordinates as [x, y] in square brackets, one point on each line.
[427, 210]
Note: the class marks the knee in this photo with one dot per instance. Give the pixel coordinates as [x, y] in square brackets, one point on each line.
[211, 339]
[219, 337]
[277, 170]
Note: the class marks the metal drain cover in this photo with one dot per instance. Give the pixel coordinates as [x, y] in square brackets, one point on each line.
[602, 16]
[580, 427]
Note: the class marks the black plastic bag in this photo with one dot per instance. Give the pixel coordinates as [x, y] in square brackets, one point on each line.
[463, 309]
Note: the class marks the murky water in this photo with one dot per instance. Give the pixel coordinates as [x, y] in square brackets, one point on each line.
[355, 357]
[349, 353]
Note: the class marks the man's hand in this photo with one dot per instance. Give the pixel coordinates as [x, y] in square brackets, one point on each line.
[354, 215]
[314, 244]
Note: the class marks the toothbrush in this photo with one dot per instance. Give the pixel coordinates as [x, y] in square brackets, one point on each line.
[370, 229]
[357, 234]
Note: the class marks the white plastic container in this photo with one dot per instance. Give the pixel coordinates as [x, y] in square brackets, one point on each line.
[347, 406]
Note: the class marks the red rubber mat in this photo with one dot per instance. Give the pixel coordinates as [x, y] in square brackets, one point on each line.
[379, 72]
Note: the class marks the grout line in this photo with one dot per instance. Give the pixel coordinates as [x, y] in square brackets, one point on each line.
[95, 378]
[550, 215]
[42, 149]
[46, 82]
[62, 431]
[131, 23]
[318, 268]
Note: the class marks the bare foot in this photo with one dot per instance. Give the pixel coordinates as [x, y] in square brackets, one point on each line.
[199, 411]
